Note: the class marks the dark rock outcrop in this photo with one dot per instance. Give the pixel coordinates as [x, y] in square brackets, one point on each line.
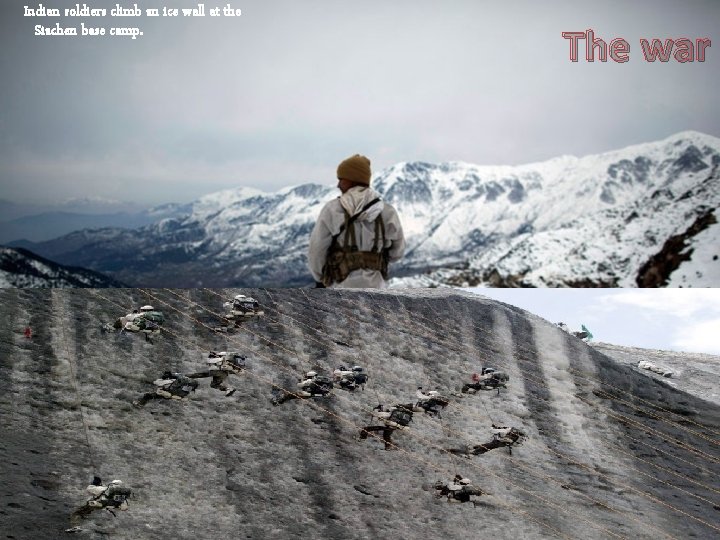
[656, 271]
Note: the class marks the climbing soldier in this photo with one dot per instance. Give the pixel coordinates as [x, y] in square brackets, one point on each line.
[111, 497]
[242, 308]
[170, 386]
[356, 235]
[432, 402]
[645, 364]
[398, 417]
[488, 379]
[313, 385]
[146, 320]
[220, 366]
[350, 379]
[503, 436]
[459, 490]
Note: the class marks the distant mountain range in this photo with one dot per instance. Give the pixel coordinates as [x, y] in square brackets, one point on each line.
[39, 224]
[644, 215]
[20, 268]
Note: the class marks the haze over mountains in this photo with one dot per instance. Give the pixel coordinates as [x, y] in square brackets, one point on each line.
[39, 223]
[644, 215]
[611, 453]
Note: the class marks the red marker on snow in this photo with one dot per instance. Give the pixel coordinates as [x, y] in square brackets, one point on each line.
[28, 332]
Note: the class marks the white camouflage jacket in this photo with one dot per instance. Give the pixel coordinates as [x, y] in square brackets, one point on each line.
[332, 217]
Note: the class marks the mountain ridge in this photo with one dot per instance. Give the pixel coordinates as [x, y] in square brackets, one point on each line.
[602, 216]
[22, 268]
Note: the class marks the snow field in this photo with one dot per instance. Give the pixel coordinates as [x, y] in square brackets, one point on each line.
[242, 468]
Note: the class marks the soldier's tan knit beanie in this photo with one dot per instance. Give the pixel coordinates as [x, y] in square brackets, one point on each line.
[356, 169]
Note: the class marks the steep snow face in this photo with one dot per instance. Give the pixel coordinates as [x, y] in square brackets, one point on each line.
[20, 268]
[624, 246]
[256, 224]
[451, 207]
[623, 218]
[443, 206]
[610, 452]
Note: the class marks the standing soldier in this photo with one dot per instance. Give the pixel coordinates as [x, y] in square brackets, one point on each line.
[356, 235]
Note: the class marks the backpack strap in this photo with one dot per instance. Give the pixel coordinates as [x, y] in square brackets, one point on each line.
[379, 233]
[351, 219]
[350, 243]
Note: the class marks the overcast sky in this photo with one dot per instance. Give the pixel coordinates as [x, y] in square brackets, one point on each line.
[685, 320]
[280, 95]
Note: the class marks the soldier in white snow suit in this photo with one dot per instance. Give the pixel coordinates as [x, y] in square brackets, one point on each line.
[431, 402]
[111, 497]
[397, 417]
[644, 364]
[350, 379]
[356, 235]
[242, 308]
[313, 385]
[503, 437]
[220, 366]
[146, 320]
[459, 490]
[488, 379]
[170, 385]
[124, 323]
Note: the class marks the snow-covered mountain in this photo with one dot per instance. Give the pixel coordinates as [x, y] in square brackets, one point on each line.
[20, 268]
[644, 215]
[641, 216]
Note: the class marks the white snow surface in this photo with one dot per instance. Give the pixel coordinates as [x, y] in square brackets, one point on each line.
[695, 373]
[213, 202]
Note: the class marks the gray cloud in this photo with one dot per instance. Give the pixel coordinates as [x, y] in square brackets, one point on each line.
[279, 95]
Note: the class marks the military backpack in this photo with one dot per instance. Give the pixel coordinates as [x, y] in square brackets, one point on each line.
[345, 258]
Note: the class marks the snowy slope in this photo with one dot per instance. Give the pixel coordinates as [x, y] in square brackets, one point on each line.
[626, 246]
[611, 453]
[23, 269]
[694, 373]
[622, 218]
